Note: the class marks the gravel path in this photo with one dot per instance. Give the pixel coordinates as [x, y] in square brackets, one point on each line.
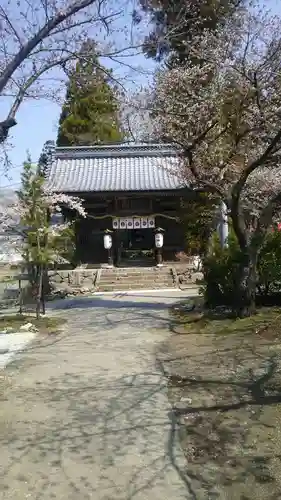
[85, 414]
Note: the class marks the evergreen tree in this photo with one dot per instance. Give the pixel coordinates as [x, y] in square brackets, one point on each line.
[33, 211]
[45, 237]
[45, 157]
[175, 22]
[90, 114]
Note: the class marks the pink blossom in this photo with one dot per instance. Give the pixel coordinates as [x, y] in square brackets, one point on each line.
[225, 114]
[12, 231]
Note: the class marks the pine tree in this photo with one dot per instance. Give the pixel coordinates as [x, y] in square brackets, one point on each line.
[175, 22]
[90, 114]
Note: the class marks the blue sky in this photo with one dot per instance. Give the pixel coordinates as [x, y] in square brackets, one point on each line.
[37, 120]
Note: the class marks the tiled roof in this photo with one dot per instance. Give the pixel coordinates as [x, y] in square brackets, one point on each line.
[122, 167]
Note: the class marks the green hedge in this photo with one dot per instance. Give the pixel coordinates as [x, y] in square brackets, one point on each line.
[269, 265]
[221, 265]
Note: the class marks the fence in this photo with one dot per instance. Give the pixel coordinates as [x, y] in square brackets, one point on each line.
[12, 289]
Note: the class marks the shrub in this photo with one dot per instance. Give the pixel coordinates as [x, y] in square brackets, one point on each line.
[197, 217]
[269, 265]
[220, 269]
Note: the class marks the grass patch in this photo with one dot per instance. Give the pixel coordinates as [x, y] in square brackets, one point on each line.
[43, 324]
[266, 322]
[8, 279]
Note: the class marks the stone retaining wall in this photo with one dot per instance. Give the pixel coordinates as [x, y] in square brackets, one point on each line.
[189, 273]
[73, 282]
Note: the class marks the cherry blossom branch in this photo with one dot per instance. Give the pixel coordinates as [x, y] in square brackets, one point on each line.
[236, 191]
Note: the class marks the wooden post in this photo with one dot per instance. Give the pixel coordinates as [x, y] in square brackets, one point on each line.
[110, 259]
[159, 257]
[43, 290]
[39, 290]
[21, 295]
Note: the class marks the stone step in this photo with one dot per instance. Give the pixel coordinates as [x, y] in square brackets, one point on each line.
[141, 278]
[111, 282]
[118, 286]
[136, 278]
[136, 269]
[136, 273]
[112, 288]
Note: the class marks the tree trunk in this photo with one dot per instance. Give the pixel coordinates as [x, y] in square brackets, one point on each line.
[39, 290]
[246, 290]
[43, 301]
[45, 287]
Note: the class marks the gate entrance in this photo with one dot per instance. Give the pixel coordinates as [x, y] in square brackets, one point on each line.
[135, 247]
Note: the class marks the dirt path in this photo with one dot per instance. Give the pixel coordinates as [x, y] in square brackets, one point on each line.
[85, 414]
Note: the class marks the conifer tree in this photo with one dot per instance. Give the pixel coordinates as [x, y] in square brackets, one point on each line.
[176, 22]
[90, 114]
[34, 223]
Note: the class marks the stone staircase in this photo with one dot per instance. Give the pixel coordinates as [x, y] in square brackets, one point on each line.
[136, 278]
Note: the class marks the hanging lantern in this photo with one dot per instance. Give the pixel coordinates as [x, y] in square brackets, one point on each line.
[159, 238]
[107, 241]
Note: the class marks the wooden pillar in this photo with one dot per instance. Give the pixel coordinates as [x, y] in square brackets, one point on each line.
[115, 204]
[77, 257]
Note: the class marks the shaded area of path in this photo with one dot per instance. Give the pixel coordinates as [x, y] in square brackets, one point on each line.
[86, 415]
[226, 391]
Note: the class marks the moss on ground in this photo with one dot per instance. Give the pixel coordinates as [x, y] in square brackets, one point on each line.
[44, 324]
[266, 322]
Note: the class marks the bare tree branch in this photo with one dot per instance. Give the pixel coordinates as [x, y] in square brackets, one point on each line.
[50, 34]
[23, 90]
[5, 16]
[39, 36]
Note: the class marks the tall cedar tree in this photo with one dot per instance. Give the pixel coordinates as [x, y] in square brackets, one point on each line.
[175, 22]
[90, 112]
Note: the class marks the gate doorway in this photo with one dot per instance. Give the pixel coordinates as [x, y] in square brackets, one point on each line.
[134, 247]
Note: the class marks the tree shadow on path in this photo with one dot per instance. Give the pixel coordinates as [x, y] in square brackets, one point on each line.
[88, 417]
[226, 400]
